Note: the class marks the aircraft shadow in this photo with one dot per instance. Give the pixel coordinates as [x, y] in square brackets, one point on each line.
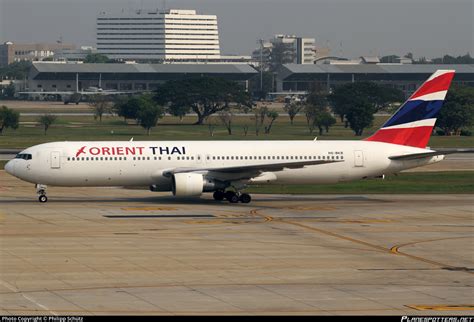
[201, 201]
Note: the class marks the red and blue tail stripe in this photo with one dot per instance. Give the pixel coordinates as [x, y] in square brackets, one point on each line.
[413, 123]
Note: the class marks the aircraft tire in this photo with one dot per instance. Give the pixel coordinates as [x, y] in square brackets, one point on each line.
[229, 194]
[233, 199]
[43, 198]
[245, 198]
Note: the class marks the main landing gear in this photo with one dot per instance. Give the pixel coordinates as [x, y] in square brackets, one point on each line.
[41, 191]
[231, 196]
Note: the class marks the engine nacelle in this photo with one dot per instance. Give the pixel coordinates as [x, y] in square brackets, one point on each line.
[187, 184]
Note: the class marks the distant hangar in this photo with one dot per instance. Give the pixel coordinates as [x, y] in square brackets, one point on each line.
[47, 77]
[406, 77]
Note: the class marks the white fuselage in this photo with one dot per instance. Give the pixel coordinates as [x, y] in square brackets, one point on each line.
[126, 163]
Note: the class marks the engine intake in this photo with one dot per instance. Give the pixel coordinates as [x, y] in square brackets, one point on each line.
[187, 184]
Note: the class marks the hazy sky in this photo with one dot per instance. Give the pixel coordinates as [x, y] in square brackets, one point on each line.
[352, 27]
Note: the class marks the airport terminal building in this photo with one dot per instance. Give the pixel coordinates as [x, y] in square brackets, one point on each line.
[301, 78]
[50, 77]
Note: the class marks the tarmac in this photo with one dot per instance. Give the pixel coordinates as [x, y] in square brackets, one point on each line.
[95, 251]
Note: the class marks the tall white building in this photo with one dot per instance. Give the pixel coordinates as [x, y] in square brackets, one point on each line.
[303, 48]
[298, 50]
[171, 35]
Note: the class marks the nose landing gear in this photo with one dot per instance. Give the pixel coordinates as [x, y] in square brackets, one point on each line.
[41, 191]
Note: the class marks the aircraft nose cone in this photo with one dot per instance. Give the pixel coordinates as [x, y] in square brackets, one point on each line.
[10, 167]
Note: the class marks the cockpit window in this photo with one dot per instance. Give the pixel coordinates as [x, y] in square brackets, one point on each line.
[24, 156]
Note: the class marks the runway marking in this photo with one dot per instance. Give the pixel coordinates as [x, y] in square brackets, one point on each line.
[29, 298]
[325, 232]
[393, 250]
[396, 250]
[461, 307]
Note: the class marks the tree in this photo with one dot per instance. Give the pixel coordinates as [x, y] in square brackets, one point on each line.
[282, 53]
[324, 120]
[267, 85]
[448, 59]
[293, 108]
[127, 107]
[16, 70]
[360, 116]
[180, 111]
[316, 111]
[390, 59]
[46, 121]
[369, 96]
[100, 106]
[149, 113]
[205, 96]
[262, 114]
[458, 110]
[272, 116]
[8, 119]
[96, 59]
[8, 92]
[226, 119]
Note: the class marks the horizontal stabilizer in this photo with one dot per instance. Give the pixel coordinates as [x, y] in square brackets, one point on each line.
[429, 154]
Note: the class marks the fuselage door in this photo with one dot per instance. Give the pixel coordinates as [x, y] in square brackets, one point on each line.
[358, 158]
[55, 160]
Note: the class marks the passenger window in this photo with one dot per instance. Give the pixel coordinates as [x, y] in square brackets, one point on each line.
[69, 159]
[73, 159]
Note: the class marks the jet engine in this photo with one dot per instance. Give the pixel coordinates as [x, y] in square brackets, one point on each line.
[187, 184]
[194, 184]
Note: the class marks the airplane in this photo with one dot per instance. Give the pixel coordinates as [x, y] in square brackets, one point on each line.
[226, 168]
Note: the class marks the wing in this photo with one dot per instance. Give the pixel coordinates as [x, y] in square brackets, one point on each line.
[429, 154]
[247, 171]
